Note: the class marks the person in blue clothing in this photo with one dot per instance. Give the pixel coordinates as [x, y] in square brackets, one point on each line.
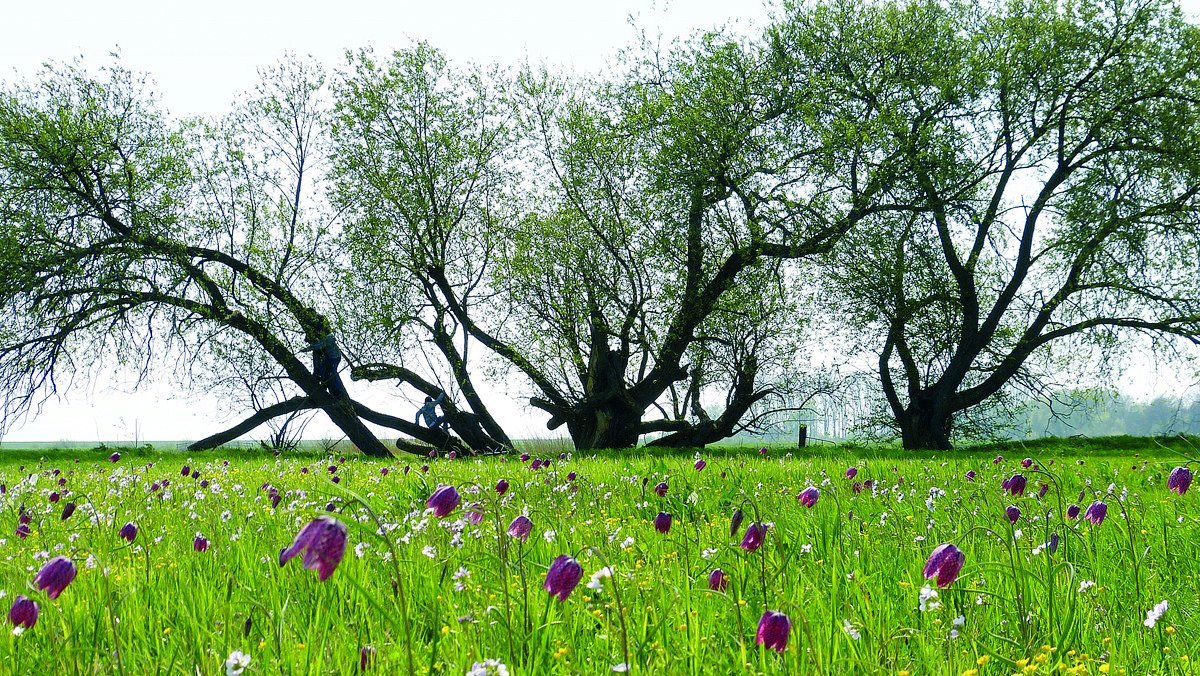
[326, 357]
[429, 412]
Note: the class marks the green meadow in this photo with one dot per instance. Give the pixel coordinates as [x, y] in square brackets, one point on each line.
[459, 595]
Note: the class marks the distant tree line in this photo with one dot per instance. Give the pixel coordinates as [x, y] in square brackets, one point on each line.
[969, 197]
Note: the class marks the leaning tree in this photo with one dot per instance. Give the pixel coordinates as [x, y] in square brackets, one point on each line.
[1052, 159]
[129, 237]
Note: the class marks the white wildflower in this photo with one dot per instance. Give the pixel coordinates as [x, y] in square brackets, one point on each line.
[599, 575]
[849, 629]
[929, 599]
[488, 668]
[236, 663]
[1155, 613]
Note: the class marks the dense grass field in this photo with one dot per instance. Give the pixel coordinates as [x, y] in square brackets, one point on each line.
[836, 585]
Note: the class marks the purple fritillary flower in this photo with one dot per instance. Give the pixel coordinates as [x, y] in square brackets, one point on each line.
[970, 475]
[24, 517]
[22, 531]
[520, 528]
[718, 580]
[809, 496]
[945, 562]
[128, 532]
[756, 534]
[1073, 512]
[661, 489]
[662, 523]
[24, 612]
[55, 575]
[524, 457]
[324, 539]
[185, 471]
[443, 501]
[998, 459]
[114, 457]
[474, 513]
[851, 472]
[68, 510]
[502, 487]
[571, 476]
[54, 496]
[773, 630]
[1016, 484]
[337, 479]
[1027, 462]
[200, 544]
[424, 469]
[735, 522]
[762, 451]
[701, 463]
[563, 576]
[857, 487]
[1179, 480]
[452, 455]
[1012, 512]
[383, 471]
[1052, 545]
[1096, 513]
[366, 658]
[1042, 488]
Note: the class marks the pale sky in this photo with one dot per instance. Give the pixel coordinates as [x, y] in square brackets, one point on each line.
[202, 54]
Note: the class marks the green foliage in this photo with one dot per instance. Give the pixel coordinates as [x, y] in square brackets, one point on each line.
[1049, 161]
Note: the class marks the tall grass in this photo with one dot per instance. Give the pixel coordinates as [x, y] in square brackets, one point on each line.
[846, 572]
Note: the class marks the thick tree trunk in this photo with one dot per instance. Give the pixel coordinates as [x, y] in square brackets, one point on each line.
[926, 426]
[341, 412]
[249, 424]
[611, 424]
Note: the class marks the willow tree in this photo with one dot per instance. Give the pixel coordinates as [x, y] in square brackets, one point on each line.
[420, 155]
[1052, 156]
[646, 276]
[129, 237]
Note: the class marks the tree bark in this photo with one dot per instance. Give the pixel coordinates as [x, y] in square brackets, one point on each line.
[611, 424]
[249, 424]
[926, 425]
